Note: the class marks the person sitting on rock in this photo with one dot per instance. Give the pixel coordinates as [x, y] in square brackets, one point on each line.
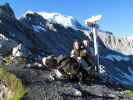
[87, 60]
[75, 53]
[81, 53]
[85, 52]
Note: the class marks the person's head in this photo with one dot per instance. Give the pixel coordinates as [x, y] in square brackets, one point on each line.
[76, 44]
[85, 43]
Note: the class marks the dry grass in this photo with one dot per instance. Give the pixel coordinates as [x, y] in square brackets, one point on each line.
[13, 83]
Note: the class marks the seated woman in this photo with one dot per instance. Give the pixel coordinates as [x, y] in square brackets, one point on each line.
[75, 53]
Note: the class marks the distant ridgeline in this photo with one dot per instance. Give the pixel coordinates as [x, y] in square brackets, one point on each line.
[123, 45]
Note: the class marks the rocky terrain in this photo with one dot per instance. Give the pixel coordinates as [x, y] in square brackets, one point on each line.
[122, 45]
[41, 86]
[4, 91]
[38, 34]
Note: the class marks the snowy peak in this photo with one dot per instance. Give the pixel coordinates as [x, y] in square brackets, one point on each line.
[130, 38]
[65, 21]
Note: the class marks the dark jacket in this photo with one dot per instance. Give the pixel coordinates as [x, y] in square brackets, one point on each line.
[86, 55]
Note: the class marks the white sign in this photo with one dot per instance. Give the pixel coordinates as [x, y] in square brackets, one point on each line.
[93, 19]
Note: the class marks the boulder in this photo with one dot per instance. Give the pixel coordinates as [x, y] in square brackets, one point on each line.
[4, 91]
[6, 44]
[6, 11]
[20, 51]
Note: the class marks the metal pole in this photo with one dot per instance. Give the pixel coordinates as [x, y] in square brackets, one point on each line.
[94, 30]
[95, 40]
[91, 22]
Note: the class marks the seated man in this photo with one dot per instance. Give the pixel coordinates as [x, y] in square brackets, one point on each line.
[85, 54]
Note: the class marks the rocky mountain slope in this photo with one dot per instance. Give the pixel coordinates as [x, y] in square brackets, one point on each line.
[34, 32]
[39, 34]
[123, 45]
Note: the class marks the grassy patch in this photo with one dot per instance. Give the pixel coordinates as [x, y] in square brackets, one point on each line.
[13, 83]
[130, 93]
[10, 60]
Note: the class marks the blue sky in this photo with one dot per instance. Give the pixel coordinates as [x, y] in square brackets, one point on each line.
[117, 14]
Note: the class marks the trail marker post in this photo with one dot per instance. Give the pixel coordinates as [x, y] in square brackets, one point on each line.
[91, 22]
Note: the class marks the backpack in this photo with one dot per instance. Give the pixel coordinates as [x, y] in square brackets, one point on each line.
[69, 67]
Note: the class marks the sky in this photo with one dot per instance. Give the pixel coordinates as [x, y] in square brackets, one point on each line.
[117, 14]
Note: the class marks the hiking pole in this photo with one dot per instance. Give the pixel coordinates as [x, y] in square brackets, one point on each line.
[91, 22]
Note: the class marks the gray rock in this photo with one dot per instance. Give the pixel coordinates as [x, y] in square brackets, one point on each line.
[6, 44]
[123, 45]
[4, 91]
[20, 51]
[41, 87]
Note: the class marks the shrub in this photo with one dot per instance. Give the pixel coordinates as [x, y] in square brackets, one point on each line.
[8, 60]
[13, 83]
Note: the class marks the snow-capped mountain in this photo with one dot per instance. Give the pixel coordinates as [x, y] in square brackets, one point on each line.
[66, 21]
[130, 38]
[42, 33]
